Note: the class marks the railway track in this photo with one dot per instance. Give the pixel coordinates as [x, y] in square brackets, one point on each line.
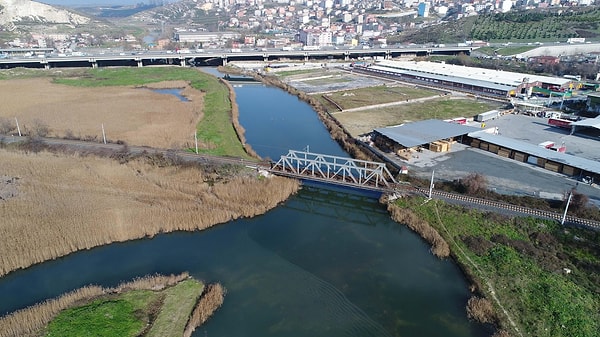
[486, 203]
[255, 164]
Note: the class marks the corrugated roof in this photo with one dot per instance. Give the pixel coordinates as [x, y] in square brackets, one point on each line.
[537, 151]
[424, 132]
[467, 81]
[591, 122]
[499, 77]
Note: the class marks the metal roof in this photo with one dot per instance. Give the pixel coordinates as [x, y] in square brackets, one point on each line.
[590, 122]
[537, 151]
[424, 132]
[450, 78]
[491, 76]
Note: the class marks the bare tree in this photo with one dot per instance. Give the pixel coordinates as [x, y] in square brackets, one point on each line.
[473, 184]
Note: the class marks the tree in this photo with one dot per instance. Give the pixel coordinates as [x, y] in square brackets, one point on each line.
[473, 184]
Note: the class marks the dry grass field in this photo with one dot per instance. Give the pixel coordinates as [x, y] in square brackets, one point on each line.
[65, 203]
[360, 122]
[136, 115]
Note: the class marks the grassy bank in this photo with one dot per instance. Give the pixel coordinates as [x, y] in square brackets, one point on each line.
[149, 306]
[542, 279]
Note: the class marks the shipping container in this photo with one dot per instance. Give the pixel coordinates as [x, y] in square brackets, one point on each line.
[486, 116]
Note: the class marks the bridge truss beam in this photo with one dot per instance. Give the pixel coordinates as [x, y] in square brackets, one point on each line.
[336, 169]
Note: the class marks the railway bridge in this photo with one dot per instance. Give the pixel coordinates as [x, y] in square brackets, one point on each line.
[349, 172]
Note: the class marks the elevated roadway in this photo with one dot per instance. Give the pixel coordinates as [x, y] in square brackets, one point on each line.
[216, 57]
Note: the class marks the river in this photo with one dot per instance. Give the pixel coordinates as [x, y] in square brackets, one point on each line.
[328, 262]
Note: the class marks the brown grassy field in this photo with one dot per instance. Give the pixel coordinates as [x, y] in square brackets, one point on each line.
[66, 203]
[349, 99]
[138, 116]
[360, 122]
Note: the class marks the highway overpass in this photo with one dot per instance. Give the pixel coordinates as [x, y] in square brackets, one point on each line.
[216, 57]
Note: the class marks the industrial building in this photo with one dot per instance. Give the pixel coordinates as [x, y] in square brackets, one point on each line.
[537, 155]
[433, 134]
[408, 139]
[202, 37]
[478, 81]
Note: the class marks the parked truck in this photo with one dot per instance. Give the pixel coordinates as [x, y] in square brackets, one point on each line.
[486, 116]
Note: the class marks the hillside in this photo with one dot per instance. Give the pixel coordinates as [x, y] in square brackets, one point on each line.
[532, 25]
[17, 12]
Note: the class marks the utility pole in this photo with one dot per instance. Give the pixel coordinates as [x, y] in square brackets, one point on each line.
[18, 128]
[566, 208]
[103, 134]
[196, 141]
[431, 184]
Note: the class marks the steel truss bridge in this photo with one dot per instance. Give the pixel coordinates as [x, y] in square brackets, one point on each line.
[335, 170]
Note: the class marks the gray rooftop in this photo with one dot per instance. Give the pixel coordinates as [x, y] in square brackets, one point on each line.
[424, 132]
[439, 77]
[590, 122]
[540, 152]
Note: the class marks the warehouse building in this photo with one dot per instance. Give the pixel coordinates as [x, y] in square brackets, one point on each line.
[477, 81]
[537, 155]
[432, 134]
[203, 37]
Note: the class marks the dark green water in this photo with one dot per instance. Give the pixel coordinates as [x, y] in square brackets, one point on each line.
[325, 263]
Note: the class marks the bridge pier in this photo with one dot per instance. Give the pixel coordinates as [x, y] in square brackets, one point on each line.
[265, 58]
[346, 56]
[140, 63]
[388, 54]
[305, 57]
[224, 60]
[47, 66]
[94, 64]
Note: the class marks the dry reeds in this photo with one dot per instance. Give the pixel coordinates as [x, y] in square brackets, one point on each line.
[67, 203]
[30, 321]
[137, 116]
[439, 246]
[209, 302]
[481, 310]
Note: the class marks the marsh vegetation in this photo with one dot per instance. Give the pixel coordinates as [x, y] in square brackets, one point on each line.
[540, 278]
[149, 306]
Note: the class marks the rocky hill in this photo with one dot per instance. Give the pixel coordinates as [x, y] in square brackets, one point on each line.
[16, 12]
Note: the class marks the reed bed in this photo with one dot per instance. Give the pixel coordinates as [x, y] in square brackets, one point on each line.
[135, 115]
[439, 246]
[67, 203]
[481, 310]
[31, 321]
[211, 300]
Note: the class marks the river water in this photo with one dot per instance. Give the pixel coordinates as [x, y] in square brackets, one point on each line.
[328, 262]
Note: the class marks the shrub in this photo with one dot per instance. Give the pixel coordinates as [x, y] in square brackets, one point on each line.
[480, 310]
